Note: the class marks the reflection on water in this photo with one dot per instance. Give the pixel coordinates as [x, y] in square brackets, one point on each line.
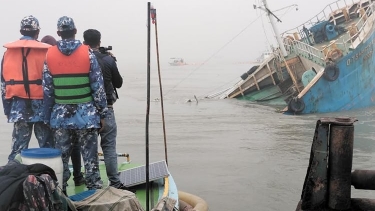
[234, 154]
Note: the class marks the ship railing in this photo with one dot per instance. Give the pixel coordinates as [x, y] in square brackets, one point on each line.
[222, 94]
[238, 87]
[225, 93]
[359, 31]
[353, 37]
[329, 13]
[309, 52]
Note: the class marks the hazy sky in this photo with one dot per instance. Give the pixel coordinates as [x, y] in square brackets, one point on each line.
[194, 29]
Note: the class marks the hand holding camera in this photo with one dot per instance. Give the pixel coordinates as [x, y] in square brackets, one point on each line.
[105, 50]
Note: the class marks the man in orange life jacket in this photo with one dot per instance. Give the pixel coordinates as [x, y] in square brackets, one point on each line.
[21, 87]
[75, 100]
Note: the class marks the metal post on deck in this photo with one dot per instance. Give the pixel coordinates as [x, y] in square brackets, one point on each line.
[340, 166]
[148, 104]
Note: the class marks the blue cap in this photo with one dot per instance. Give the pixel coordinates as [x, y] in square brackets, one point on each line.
[29, 23]
[65, 23]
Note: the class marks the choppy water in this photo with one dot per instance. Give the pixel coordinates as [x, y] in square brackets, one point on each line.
[234, 154]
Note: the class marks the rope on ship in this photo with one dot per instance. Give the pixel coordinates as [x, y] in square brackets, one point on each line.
[209, 94]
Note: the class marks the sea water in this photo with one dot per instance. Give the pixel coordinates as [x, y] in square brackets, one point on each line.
[234, 154]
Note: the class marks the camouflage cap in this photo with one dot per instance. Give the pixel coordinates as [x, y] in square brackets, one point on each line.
[65, 24]
[29, 23]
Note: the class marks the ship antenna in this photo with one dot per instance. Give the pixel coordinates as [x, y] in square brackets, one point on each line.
[148, 104]
[271, 17]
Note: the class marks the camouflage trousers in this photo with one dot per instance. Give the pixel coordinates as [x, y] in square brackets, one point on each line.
[21, 136]
[88, 141]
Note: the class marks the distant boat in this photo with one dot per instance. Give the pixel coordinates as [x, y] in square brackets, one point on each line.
[176, 61]
[326, 64]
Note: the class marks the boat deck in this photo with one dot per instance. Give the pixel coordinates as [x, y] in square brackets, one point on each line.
[158, 188]
[341, 25]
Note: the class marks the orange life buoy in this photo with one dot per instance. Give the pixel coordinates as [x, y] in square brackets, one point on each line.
[335, 54]
[289, 39]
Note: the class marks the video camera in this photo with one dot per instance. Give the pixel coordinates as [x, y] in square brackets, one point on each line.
[104, 50]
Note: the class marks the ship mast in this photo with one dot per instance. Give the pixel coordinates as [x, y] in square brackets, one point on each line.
[275, 30]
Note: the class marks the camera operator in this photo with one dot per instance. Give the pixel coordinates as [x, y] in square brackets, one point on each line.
[112, 80]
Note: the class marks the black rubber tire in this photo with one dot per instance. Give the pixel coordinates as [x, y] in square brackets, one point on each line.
[252, 69]
[296, 105]
[331, 72]
[244, 76]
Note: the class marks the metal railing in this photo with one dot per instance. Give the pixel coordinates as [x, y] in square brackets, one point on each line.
[309, 52]
[346, 42]
[325, 15]
[362, 27]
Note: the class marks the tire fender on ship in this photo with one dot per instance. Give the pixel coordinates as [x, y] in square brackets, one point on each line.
[244, 76]
[331, 72]
[296, 105]
[252, 69]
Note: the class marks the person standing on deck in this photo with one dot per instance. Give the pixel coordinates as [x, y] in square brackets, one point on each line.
[21, 88]
[76, 151]
[75, 101]
[112, 80]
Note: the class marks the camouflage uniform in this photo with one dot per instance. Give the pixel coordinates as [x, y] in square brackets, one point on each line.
[25, 113]
[81, 120]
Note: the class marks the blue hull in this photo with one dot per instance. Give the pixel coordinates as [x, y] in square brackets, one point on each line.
[328, 64]
[353, 89]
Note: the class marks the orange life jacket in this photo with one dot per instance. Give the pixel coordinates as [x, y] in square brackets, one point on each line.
[23, 67]
[76, 63]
